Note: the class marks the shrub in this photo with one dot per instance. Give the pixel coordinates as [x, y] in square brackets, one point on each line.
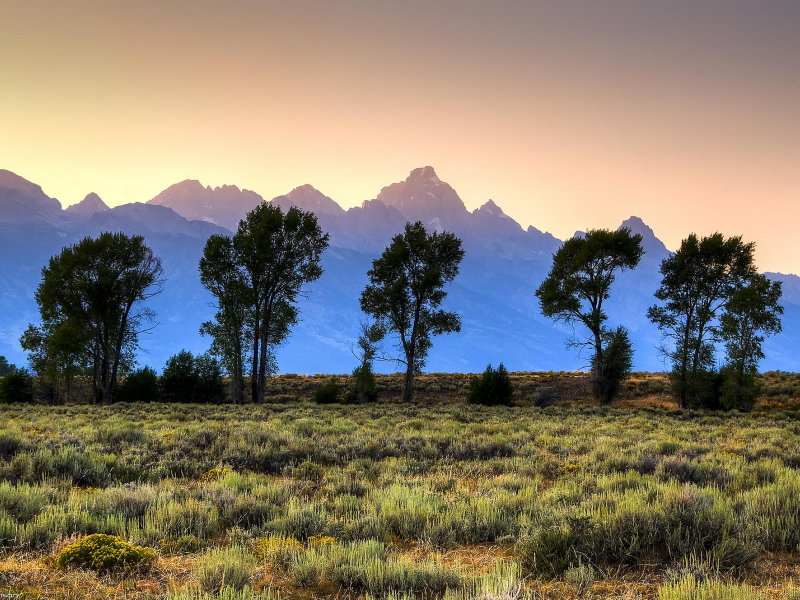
[329, 393]
[306, 569]
[140, 386]
[187, 378]
[16, 386]
[364, 386]
[231, 567]
[492, 388]
[308, 471]
[105, 552]
[278, 551]
[580, 578]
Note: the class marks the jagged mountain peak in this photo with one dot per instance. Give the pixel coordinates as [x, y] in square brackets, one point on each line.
[90, 205]
[22, 200]
[424, 174]
[654, 248]
[307, 197]
[424, 197]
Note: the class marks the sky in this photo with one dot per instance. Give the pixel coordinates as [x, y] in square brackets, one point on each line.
[568, 114]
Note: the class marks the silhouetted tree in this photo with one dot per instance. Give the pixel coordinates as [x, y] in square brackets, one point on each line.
[277, 253]
[698, 282]
[5, 368]
[225, 278]
[140, 385]
[16, 386]
[574, 291]
[94, 291]
[57, 355]
[751, 314]
[406, 290]
[187, 378]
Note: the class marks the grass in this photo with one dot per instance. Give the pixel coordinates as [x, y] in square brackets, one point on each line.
[386, 501]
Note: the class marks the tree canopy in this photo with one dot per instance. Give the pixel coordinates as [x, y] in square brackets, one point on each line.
[574, 291]
[406, 290]
[91, 303]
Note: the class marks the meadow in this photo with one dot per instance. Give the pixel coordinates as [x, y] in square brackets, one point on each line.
[555, 497]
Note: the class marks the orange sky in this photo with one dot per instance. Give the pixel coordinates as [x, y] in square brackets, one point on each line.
[568, 114]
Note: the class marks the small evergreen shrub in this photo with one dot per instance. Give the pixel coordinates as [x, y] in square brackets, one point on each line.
[105, 552]
[329, 393]
[364, 386]
[493, 388]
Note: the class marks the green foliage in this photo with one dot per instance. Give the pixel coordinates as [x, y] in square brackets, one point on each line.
[275, 254]
[406, 290]
[618, 359]
[698, 282]
[493, 388]
[5, 368]
[105, 552]
[140, 386]
[16, 386]
[578, 284]
[231, 567]
[328, 393]
[363, 386]
[189, 379]
[90, 301]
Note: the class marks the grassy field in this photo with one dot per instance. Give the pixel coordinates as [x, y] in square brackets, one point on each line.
[435, 499]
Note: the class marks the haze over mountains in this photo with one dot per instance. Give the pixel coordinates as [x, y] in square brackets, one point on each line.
[494, 293]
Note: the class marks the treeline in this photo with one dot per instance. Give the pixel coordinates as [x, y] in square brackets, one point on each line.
[92, 305]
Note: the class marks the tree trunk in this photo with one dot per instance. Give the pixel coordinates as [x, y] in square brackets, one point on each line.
[408, 392]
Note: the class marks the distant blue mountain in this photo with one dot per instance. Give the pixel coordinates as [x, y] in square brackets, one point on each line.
[494, 293]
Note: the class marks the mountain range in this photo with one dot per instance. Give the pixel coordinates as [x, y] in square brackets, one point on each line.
[494, 293]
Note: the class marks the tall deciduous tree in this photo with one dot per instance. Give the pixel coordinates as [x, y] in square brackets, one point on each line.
[698, 281]
[231, 330]
[751, 314]
[406, 290]
[257, 278]
[575, 290]
[94, 292]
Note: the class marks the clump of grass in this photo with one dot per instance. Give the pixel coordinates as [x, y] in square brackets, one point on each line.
[690, 588]
[231, 567]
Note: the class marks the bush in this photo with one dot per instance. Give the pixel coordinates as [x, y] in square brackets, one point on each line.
[492, 388]
[140, 386]
[187, 378]
[328, 393]
[364, 386]
[17, 386]
[231, 567]
[105, 552]
[738, 392]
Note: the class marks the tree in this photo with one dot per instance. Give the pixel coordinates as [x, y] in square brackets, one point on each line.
[16, 386]
[187, 378]
[93, 292]
[277, 253]
[406, 290]
[364, 387]
[492, 388]
[698, 281]
[57, 357]
[575, 290]
[752, 313]
[5, 368]
[140, 386]
[231, 330]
